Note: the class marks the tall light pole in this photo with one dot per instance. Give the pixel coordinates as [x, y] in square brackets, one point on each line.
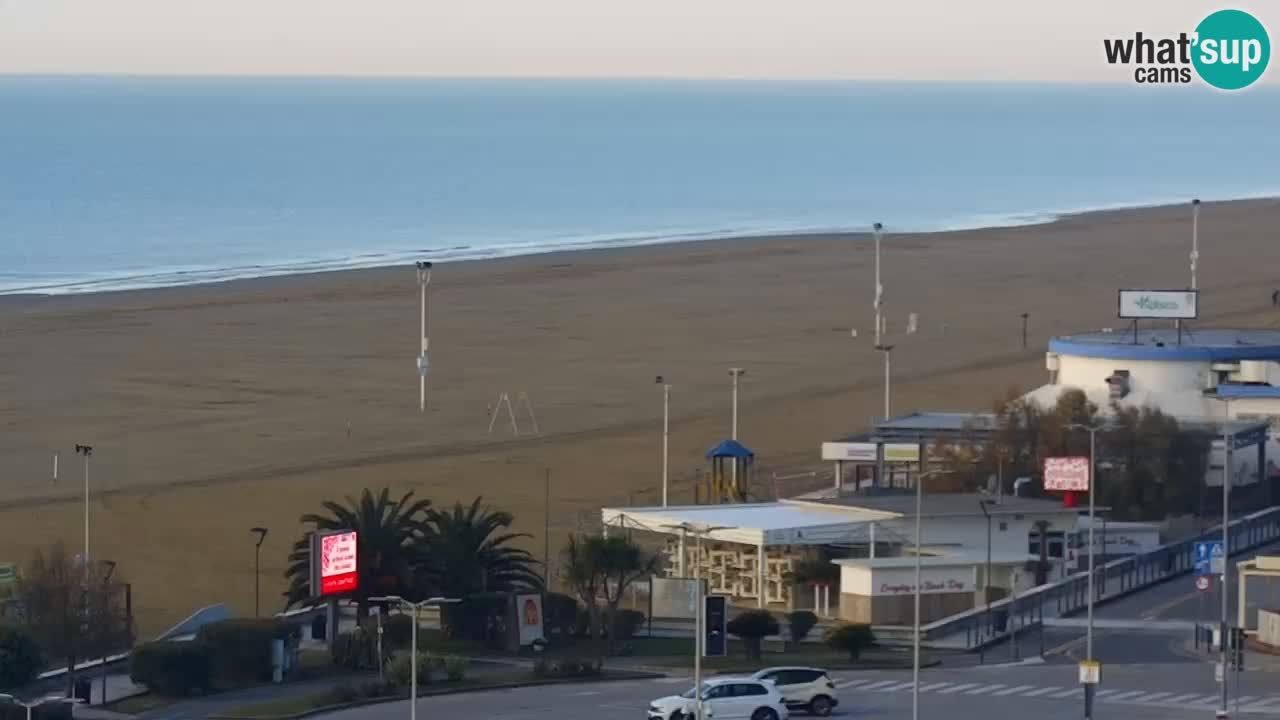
[1195, 239]
[413, 640]
[666, 431]
[261, 532]
[86, 451]
[424, 279]
[915, 641]
[735, 373]
[1093, 482]
[986, 584]
[1226, 549]
[699, 633]
[879, 303]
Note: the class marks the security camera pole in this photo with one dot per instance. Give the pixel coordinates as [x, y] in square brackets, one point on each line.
[424, 279]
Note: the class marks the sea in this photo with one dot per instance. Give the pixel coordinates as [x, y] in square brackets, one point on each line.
[110, 183]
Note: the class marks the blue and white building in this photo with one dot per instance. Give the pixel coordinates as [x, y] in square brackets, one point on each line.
[1202, 376]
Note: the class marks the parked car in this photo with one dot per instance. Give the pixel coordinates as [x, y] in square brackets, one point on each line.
[808, 689]
[724, 699]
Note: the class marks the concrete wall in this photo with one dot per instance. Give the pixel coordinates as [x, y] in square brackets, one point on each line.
[900, 610]
[1269, 627]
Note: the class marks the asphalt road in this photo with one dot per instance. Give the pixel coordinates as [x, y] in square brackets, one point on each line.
[1041, 691]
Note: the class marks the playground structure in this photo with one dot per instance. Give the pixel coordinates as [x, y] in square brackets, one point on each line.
[730, 478]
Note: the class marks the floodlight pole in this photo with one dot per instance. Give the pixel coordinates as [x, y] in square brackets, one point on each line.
[86, 451]
[424, 279]
[879, 302]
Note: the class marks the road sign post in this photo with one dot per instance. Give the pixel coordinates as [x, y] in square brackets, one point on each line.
[1090, 675]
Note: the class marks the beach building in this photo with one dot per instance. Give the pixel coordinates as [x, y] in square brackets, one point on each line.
[753, 548]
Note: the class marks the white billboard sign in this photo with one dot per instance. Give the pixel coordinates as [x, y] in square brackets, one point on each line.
[529, 612]
[1066, 474]
[1167, 304]
[865, 452]
[901, 452]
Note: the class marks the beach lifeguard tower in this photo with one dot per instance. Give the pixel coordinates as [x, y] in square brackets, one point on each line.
[730, 479]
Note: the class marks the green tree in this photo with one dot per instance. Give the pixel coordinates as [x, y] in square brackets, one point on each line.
[472, 552]
[752, 627]
[851, 638]
[599, 567]
[393, 545]
[20, 657]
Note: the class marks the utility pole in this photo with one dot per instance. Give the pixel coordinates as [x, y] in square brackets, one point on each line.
[986, 584]
[735, 373]
[86, 451]
[261, 532]
[1093, 467]
[1226, 547]
[879, 303]
[424, 279]
[666, 430]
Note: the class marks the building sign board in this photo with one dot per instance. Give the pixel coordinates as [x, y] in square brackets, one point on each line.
[1167, 304]
[334, 563]
[864, 452]
[1066, 474]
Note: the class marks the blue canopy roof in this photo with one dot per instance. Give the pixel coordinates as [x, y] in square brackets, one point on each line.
[730, 449]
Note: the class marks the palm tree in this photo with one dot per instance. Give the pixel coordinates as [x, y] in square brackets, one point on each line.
[471, 553]
[595, 566]
[393, 542]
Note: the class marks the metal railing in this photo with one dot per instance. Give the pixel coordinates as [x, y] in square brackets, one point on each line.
[983, 626]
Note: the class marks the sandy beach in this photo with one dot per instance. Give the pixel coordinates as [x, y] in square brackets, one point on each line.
[216, 408]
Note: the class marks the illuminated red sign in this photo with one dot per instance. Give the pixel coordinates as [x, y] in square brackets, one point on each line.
[337, 567]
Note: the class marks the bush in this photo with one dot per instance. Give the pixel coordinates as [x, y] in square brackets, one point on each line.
[48, 711]
[343, 694]
[242, 648]
[455, 668]
[799, 624]
[396, 632]
[753, 626]
[564, 668]
[560, 618]
[354, 650]
[850, 637]
[378, 689]
[20, 657]
[172, 669]
[401, 669]
[482, 617]
[626, 623]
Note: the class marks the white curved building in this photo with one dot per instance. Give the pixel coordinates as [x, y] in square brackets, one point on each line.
[1198, 375]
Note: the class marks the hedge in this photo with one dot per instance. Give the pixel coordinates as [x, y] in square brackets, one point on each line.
[172, 669]
[242, 648]
[20, 657]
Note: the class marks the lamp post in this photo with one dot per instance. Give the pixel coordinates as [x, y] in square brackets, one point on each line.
[666, 430]
[1088, 642]
[86, 451]
[915, 640]
[413, 641]
[42, 701]
[1226, 550]
[424, 279]
[261, 532]
[699, 633]
[879, 302]
[986, 583]
[735, 373]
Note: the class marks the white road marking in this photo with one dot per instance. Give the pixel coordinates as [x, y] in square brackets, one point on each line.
[1151, 697]
[1041, 691]
[896, 688]
[984, 689]
[1013, 690]
[958, 688]
[586, 693]
[852, 684]
[880, 684]
[1127, 695]
[1103, 693]
[1183, 698]
[934, 686]
[1064, 694]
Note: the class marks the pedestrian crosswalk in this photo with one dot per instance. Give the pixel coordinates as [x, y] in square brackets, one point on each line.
[1256, 704]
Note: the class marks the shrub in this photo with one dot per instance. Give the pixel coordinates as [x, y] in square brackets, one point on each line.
[567, 667]
[481, 617]
[48, 711]
[378, 689]
[172, 669]
[396, 631]
[354, 650]
[20, 658]
[401, 669]
[242, 648]
[343, 694]
[799, 624]
[850, 637]
[753, 626]
[626, 623]
[455, 668]
[560, 618]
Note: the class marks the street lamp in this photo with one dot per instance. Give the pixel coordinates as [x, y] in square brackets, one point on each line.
[699, 634]
[1088, 642]
[424, 279]
[413, 642]
[915, 642]
[666, 432]
[1226, 550]
[86, 451]
[986, 585]
[879, 302]
[32, 705]
[735, 373]
[261, 532]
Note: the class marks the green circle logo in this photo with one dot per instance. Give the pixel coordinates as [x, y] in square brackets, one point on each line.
[1232, 49]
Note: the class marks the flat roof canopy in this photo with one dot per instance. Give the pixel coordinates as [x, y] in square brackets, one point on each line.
[949, 504]
[769, 524]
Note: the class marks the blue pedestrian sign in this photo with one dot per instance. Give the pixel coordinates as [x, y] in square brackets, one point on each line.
[1205, 554]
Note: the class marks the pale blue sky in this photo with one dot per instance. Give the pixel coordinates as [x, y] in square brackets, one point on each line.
[946, 40]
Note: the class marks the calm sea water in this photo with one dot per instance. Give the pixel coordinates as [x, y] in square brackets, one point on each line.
[115, 183]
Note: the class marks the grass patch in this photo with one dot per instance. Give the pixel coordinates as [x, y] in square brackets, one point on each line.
[138, 704]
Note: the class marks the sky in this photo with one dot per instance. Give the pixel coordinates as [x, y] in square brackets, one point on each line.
[913, 40]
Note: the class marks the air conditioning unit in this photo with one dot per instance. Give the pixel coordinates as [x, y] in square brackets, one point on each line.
[1253, 371]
